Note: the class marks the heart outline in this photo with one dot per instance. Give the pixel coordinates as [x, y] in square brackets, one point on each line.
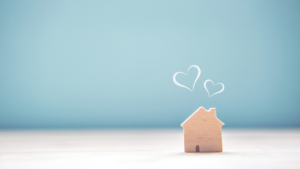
[198, 75]
[214, 85]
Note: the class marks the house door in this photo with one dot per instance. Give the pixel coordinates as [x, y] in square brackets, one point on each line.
[197, 148]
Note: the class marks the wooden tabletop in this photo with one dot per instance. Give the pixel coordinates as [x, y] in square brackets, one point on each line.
[138, 149]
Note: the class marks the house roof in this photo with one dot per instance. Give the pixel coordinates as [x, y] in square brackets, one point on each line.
[198, 111]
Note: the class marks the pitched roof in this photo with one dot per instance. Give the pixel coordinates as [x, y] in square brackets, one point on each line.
[198, 111]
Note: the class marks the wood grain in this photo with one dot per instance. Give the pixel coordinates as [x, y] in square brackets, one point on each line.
[203, 131]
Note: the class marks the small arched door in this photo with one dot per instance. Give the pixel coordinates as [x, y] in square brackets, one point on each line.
[197, 148]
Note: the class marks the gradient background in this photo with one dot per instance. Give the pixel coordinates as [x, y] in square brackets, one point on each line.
[109, 64]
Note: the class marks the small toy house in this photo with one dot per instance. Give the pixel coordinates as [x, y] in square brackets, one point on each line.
[203, 131]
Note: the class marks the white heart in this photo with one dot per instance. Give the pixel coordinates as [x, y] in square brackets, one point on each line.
[198, 75]
[214, 85]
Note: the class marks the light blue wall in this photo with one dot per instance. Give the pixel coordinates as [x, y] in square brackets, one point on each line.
[103, 64]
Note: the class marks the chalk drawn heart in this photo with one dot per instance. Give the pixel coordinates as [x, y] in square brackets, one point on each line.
[214, 85]
[198, 75]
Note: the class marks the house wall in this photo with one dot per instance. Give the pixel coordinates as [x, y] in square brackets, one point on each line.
[208, 139]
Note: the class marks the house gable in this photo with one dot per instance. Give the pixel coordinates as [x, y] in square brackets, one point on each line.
[202, 116]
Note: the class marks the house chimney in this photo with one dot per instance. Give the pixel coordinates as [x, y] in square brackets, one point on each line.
[213, 111]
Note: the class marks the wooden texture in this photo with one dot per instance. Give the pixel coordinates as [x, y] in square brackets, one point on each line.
[203, 132]
[146, 149]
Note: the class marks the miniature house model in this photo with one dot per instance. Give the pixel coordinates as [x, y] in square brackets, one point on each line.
[203, 131]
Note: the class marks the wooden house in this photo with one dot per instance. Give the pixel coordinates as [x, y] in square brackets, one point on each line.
[203, 131]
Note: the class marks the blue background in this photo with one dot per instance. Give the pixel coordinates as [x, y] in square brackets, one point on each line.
[109, 64]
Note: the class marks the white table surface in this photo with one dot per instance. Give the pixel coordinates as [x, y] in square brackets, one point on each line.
[146, 149]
